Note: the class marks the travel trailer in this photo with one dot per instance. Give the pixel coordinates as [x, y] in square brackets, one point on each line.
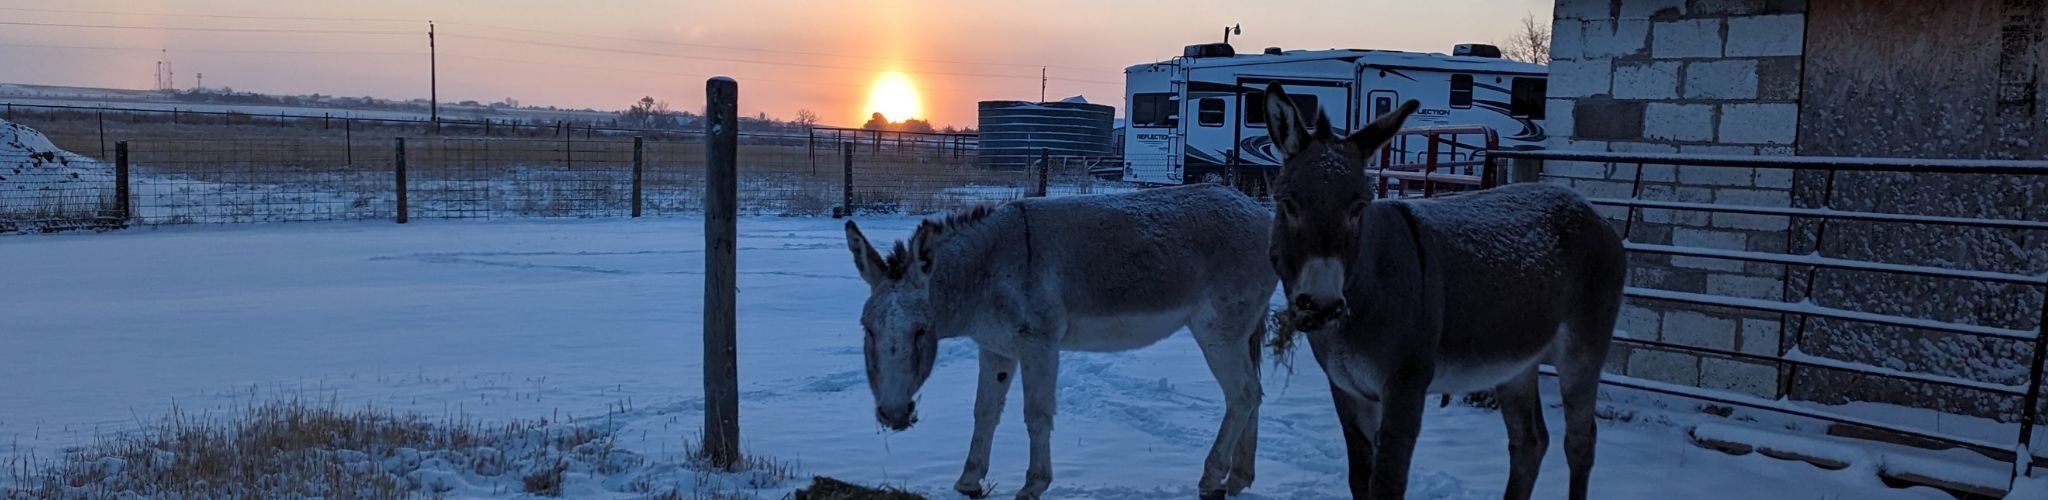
[1201, 117]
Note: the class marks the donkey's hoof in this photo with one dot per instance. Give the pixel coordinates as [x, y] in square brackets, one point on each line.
[1237, 486]
[971, 490]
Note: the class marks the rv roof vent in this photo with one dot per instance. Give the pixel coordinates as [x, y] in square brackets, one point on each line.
[1272, 51]
[1208, 50]
[1476, 50]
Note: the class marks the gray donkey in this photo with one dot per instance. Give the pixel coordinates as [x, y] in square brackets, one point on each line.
[1033, 277]
[1467, 293]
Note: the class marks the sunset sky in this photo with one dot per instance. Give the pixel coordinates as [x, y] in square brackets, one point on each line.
[787, 55]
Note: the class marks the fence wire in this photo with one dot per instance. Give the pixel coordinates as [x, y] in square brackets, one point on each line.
[501, 178]
[240, 181]
[188, 168]
[51, 190]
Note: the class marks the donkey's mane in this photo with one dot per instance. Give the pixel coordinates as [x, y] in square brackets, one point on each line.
[929, 233]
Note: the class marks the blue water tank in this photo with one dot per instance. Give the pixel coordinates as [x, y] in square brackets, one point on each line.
[1014, 133]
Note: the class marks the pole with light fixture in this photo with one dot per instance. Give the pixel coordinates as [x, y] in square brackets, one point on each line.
[1235, 29]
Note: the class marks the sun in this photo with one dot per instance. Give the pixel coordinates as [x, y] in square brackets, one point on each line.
[895, 97]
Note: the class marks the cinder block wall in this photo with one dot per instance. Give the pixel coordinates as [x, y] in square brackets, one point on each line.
[1679, 76]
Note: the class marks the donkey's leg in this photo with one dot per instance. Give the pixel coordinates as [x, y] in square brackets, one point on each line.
[1244, 465]
[1360, 420]
[1521, 405]
[1578, 379]
[1400, 423]
[1238, 375]
[996, 370]
[1041, 389]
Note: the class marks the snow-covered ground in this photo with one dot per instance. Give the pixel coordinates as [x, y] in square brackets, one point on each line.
[599, 320]
[40, 181]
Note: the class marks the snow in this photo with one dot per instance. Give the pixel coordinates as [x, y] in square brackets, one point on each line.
[1844, 163]
[1815, 259]
[1798, 356]
[1811, 309]
[1935, 220]
[598, 320]
[38, 180]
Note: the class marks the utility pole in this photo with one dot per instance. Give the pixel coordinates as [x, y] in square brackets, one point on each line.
[202, 81]
[1041, 84]
[433, 78]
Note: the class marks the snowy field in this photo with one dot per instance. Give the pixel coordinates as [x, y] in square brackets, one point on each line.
[599, 320]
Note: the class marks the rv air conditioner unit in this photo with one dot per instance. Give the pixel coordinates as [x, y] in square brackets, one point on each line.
[1476, 50]
[1208, 50]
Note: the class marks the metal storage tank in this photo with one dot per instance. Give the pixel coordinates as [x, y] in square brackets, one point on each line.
[1013, 133]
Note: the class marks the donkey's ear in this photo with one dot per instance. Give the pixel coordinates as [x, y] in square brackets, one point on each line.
[1285, 123]
[920, 263]
[869, 262]
[1372, 136]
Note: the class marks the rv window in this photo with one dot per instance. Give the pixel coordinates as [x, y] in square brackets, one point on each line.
[1381, 106]
[1152, 110]
[1461, 91]
[1210, 113]
[1526, 100]
[1255, 107]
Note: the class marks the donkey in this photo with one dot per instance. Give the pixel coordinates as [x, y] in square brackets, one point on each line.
[1466, 293]
[1030, 278]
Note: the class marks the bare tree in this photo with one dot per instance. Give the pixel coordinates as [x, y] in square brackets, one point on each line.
[805, 118]
[1531, 44]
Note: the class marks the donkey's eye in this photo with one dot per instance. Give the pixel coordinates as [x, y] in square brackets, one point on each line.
[871, 332]
[1287, 207]
[919, 334]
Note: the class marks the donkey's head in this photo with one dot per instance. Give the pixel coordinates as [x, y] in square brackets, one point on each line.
[1322, 192]
[900, 345]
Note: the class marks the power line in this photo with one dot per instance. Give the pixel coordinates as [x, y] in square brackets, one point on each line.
[496, 27]
[214, 30]
[751, 61]
[755, 49]
[215, 51]
[215, 16]
[812, 83]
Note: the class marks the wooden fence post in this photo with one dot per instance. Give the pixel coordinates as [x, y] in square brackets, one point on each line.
[403, 210]
[721, 363]
[639, 166]
[846, 202]
[103, 133]
[121, 201]
[1044, 170]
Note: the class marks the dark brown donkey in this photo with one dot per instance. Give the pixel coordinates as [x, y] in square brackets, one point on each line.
[1401, 299]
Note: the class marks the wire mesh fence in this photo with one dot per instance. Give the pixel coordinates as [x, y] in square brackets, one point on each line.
[51, 190]
[498, 178]
[241, 181]
[325, 178]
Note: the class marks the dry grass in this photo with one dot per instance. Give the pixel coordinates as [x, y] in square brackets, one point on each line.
[292, 449]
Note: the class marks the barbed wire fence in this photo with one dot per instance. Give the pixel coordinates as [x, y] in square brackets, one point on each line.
[182, 167]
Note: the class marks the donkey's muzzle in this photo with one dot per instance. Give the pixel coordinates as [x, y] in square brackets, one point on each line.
[897, 418]
[1310, 314]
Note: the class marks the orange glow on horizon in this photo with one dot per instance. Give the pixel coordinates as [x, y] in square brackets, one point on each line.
[895, 97]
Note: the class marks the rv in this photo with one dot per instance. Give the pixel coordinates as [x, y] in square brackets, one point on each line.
[1201, 117]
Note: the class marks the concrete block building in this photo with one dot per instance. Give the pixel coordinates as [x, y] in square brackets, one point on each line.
[1876, 78]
